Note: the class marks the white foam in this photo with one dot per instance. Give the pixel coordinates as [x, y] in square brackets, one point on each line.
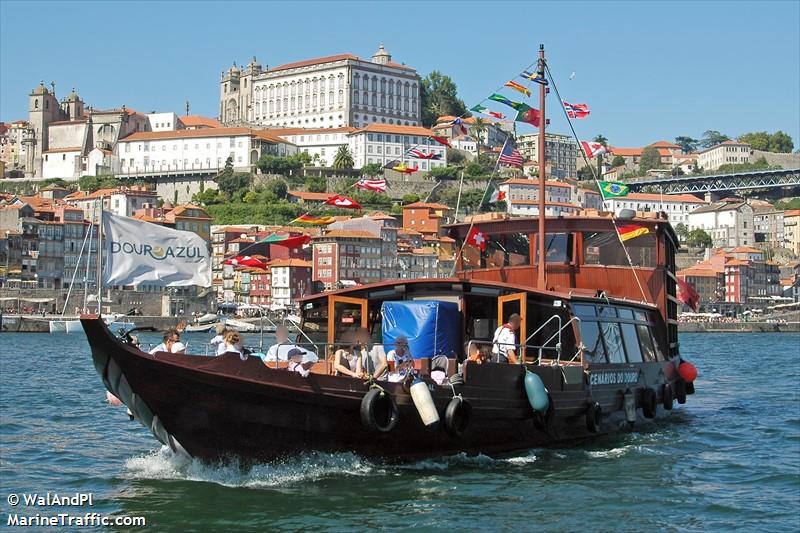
[164, 464]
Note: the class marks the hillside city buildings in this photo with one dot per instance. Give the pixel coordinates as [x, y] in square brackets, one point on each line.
[373, 107]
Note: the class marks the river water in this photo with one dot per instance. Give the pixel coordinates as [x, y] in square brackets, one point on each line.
[728, 460]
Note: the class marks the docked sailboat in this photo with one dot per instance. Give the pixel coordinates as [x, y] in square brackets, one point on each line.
[592, 300]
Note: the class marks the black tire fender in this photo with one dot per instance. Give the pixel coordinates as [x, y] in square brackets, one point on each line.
[379, 411]
[667, 397]
[457, 417]
[594, 417]
[680, 391]
[649, 402]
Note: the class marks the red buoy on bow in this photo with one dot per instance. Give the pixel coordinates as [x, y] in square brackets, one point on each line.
[687, 371]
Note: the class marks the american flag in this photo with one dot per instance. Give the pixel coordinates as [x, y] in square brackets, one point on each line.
[372, 184]
[510, 156]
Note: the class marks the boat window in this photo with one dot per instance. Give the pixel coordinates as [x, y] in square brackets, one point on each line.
[558, 248]
[625, 313]
[315, 323]
[609, 312]
[584, 310]
[605, 248]
[646, 342]
[494, 256]
[631, 341]
[594, 352]
[640, 315]
[517, 249]
[613, 338]
[470, 257]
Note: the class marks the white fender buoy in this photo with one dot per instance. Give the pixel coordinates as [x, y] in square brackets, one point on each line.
[537, 392]
[112, 400]
[423, 401]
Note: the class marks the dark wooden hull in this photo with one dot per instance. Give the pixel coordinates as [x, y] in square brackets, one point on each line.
[223, 408]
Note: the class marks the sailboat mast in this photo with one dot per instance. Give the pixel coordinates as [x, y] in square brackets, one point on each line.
[542, 270]
[100, 260]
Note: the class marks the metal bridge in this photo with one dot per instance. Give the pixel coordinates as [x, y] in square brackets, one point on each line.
[740, 181]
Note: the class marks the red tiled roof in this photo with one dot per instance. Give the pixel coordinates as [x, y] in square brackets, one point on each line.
[289, 263]
[395, 128]
[310, 196]
[425, 205]
[315, 61]
[60, 150]
[194, 121]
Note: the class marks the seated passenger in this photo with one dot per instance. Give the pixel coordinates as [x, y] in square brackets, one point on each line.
[504, 349]
[478, 353]
[373, 359]
[301, 361]
[170, 338]
[280, 350]
[347, 363]
[439, 366]
[178, 347]
[233, 343]
[400, 360]
[218, 342]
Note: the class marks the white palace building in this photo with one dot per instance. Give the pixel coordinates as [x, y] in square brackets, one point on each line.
[328, 92]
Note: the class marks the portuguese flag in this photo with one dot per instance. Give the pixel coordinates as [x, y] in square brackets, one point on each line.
[285, 239]
[613, 189]
[631, 231]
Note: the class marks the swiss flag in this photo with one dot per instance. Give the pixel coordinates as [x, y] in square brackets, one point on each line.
[477, 238]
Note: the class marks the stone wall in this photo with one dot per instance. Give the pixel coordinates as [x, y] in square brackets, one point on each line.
[782, 160]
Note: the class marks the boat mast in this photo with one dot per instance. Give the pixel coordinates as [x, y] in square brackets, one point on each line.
[542, 278]
[100, 260]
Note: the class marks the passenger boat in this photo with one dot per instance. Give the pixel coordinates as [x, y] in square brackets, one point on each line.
[597, 344]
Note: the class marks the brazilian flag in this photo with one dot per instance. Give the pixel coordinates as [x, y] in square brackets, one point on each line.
[613, 189]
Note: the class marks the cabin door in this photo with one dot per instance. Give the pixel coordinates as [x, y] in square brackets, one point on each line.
[507, 306]
[345, 316]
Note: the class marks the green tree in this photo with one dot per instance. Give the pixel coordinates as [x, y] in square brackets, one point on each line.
[372, 169]
[600, 138]
[278, 188]
[758, 140]
[699, 238]
[233, 183]
[316, 184]
[439, 96]
[208, 197]
[455, 157]
[650, 159]
[781, 142]
[251, 197]
[584, 173]
[343, 159]
[713, 138]
[618, 161]
[687, 144]
[788, 204]
[681, 230]
[476, 131]
[410, 198]
[444, 173]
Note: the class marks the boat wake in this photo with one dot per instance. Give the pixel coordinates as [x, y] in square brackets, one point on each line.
[163, 464]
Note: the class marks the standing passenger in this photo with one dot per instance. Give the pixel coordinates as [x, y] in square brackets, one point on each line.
[504, 343]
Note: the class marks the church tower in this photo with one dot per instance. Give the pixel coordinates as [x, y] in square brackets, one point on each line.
[249, 74]
[230, 96]
[43, 109]
[72, 106]
[381, 56]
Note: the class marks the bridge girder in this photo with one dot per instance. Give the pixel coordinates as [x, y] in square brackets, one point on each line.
[768, 179]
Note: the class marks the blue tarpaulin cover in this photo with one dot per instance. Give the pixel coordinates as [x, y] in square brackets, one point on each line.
[431, 327]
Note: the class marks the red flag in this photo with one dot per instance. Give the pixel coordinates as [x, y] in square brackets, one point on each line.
[688, 295]
[343, 202]
[441, 140]
[477, 238]
[245, 260]
[531, 116]
[576, 110]
[592, 149]
[294, 242]
[371, 184]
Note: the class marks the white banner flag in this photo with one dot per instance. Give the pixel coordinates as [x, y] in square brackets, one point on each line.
[138, 252]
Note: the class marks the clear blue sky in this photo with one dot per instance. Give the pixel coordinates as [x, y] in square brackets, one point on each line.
[648, 70]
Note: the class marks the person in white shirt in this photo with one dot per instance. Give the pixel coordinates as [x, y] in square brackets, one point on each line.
[280, 350]
[170, 338]
[301, 361]
[400, 360]
[504, 348]
[373, 360]
[218, 342]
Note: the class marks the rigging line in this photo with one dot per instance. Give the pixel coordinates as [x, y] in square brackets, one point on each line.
[472, 220]
[597, 182]
[402, 158]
